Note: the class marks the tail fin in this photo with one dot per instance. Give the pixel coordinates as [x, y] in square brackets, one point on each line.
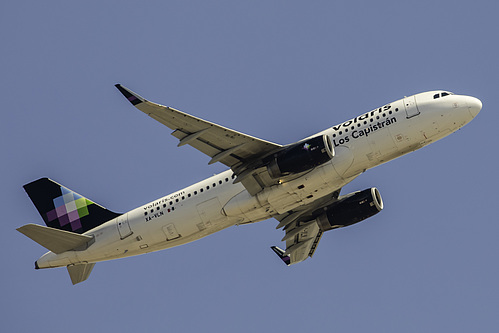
[64, 209]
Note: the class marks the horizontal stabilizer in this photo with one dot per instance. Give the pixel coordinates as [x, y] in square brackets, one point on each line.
[79, 273]
[55, 240]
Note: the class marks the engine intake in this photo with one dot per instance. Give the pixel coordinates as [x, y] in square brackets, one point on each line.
[301, 157]
[351, 209]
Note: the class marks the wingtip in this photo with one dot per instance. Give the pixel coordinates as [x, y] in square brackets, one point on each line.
[280, 253]
[129, 95]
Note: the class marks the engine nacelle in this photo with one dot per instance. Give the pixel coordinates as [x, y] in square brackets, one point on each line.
[352, 209]
[301, 157]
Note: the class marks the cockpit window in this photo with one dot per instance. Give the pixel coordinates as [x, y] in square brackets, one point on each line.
[442, 95]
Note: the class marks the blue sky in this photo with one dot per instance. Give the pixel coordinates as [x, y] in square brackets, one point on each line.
[281, 71]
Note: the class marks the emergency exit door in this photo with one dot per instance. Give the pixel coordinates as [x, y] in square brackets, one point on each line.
[171, 232]
[123, 226]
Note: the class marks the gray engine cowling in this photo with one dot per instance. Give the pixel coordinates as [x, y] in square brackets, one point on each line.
[351, 209]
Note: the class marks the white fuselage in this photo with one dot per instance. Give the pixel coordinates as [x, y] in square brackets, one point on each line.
[216, 203]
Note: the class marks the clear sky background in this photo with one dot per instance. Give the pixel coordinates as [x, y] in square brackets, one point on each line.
[281, 71]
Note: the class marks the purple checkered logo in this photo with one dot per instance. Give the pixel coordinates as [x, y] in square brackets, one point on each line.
[70, 208]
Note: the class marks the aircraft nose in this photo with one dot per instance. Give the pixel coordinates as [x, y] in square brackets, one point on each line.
[474, 105]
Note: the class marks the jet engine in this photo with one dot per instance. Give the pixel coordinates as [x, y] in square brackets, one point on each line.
[351, 209]
[301, 156]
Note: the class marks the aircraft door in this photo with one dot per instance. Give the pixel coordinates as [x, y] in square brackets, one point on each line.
[171, 232]
[123, 226]
[411, 108]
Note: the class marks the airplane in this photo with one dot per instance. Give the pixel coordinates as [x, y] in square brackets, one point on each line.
[297, 184]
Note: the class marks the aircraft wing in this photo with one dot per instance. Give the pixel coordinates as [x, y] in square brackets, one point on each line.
[302, 231]
[301, 245]
[234, 149]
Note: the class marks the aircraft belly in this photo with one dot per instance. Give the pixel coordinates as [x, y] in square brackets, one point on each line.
[186, 224]
[159, 229]
[318, 183]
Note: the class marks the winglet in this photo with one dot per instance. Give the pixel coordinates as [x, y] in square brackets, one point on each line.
[280, 253]
[130, 95]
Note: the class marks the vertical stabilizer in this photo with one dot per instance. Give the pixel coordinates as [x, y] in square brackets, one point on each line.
[79, 273]
[64, 209]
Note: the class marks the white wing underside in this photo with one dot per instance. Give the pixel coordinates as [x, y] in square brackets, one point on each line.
[303, 244]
